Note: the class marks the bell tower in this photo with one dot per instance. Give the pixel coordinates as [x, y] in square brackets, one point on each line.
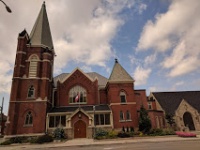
[31, 91]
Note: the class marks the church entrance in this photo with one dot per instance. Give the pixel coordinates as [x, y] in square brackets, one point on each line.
[80, 129]
[188, 121]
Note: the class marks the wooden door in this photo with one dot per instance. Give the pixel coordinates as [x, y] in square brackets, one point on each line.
[80, 129]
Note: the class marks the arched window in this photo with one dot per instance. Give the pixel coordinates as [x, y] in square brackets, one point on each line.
[28, 119]
[33, 66]
[121, 115]
[128, 115]
[77, 94]
[31, 92]
[123, 97]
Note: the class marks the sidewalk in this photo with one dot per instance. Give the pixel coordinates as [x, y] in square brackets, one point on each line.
[85, 142]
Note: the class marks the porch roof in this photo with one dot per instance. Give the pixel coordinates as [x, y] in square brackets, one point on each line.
[85, 108]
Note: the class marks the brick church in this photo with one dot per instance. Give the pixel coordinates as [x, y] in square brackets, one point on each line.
[77, 101]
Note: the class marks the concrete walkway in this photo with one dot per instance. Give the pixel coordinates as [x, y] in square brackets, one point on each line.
[85, 142]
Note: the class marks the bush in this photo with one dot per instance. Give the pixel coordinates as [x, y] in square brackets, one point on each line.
[21, 139]
[123, 134]
[156, 132]
[186, 134]
[169, 131]
[112, 134]
[59, 134]
[43, 139]
[100, 134]
[7, 142]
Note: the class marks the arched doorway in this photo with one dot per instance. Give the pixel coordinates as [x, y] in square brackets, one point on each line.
[188, 121]
[80, 129]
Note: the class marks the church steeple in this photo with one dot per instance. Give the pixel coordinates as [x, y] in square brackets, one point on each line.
[41, 34]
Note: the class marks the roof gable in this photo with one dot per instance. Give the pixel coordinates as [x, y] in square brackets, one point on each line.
[170, 101]
[102, 81]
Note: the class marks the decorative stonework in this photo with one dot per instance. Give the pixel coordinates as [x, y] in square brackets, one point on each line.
[182, 109]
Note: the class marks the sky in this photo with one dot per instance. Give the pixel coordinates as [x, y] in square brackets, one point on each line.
[156, 41]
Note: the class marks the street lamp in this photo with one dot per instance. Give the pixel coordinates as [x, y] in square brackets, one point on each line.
[7, 8]
[94, 122]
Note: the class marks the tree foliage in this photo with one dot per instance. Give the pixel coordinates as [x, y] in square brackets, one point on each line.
[170, 119]
[144, 120]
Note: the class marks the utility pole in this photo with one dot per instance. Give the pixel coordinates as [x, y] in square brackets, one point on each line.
[94, 134]
[1, 126]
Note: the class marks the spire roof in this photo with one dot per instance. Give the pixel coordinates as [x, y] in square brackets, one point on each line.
[119, 74]
[41, 34]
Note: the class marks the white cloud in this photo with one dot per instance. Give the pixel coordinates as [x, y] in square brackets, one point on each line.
[177, 29]
[150, 59]
[141, 8]
[141, 75]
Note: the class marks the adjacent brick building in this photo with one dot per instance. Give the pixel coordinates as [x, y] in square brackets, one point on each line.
[77, 101]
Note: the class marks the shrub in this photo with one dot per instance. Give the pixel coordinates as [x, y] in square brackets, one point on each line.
[169, 131]
[19, 139]
[44, 139]
[100, 134]
[123, 134]
[156, 132]
[7, 142]
[59, 134]
[186, 134]
[112, 134]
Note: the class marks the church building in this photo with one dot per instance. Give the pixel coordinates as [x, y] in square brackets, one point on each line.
[77, 101]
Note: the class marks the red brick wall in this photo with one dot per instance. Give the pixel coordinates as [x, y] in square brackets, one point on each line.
[116, 106]
[77, 78]
[153, 114]
[19, 103]
[17, 115]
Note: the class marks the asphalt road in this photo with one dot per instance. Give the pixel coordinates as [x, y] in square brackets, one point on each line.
[175, 145]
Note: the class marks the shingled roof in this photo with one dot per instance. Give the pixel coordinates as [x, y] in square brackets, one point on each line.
[41, 34]
[102, 81]
[170, 101]
[85, 108]
[119, 74]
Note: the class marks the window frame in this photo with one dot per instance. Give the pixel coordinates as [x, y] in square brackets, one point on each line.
[123, 97]
[98, 119]
[128, 116]
[121, 116]
[57, 121]
[77, 91]
[33, 66]
[28, 121]
[31, 89]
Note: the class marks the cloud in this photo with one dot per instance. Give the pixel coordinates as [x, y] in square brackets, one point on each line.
[82, 36]
[88, 33]
[141, 8]
[141, 75]
[150, 59]
[178, 31]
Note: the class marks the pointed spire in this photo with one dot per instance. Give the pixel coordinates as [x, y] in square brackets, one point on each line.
[119, 74]
[41, 34]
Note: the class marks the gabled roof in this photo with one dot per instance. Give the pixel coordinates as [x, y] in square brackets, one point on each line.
[170, 101]
[102, 81]
[41, 34]
[119, 74]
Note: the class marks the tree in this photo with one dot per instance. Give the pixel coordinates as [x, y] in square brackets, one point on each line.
[170, 119]
[144, 120]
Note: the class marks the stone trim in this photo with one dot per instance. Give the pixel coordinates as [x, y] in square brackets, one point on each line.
[128, 103]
